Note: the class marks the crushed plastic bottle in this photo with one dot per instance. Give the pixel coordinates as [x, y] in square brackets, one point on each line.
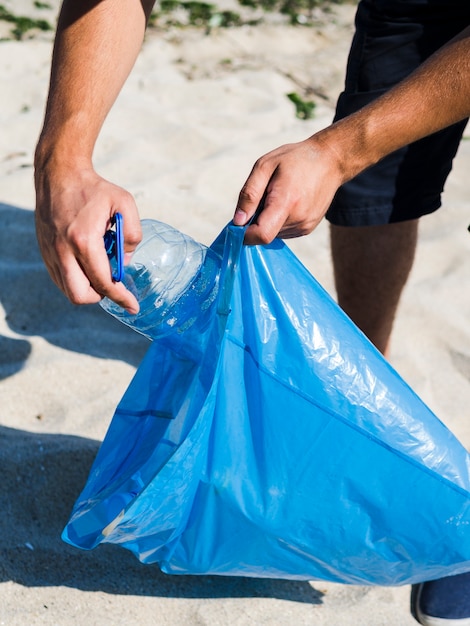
[174, 278]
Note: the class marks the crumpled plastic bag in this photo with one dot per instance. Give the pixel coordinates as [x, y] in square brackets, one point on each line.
[281, 444]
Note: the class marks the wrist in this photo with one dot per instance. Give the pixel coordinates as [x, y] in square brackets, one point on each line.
[60, 153]
[67, 137]
[350, 145]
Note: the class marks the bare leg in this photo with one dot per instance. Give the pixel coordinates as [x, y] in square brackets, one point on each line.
[371, 265]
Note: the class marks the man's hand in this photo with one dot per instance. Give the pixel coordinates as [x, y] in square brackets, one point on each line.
[295, 185]
[73, 211]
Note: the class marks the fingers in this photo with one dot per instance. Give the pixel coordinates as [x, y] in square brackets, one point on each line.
[88, 275]
[295, 183]
[270, 220]
[87, 278]
[251, 195]
[273, 194]
[71, 223]
[279, 197]
[132, 229]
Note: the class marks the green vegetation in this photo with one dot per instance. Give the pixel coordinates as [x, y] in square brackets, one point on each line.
[303, 108]
[193, 13]
[203, 14]
[21, 24]
[182, 13]
[200, 14]
[298, 11]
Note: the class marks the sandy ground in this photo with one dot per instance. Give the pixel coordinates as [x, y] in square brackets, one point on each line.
[196, 112]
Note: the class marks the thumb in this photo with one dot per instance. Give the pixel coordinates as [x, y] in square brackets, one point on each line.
[251, 198]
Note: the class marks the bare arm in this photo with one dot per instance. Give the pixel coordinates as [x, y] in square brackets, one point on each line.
[96, 45]
[301, 179]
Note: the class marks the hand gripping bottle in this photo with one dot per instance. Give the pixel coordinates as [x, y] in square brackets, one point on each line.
[174, 279]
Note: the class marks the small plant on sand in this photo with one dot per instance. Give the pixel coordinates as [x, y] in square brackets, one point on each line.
[22, 24]
[298, 11]
[303, 108]
[204, 14]
[197, 13]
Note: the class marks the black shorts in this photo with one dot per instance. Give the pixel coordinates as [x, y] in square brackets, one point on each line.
[392, 38]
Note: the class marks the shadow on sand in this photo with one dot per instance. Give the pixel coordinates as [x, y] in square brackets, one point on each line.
[42, 476]
[33, 305]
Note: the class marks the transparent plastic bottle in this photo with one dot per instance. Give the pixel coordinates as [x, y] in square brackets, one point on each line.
[175, 280]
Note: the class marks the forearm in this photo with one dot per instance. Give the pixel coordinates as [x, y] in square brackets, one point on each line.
[297, 182]
[435, 96]
[96, 45]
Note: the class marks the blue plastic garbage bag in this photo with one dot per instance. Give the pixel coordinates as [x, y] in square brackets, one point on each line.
[284, 446]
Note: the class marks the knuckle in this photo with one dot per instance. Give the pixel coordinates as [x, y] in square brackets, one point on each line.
[265, 238]
[78, 239]
[134, 236]
[248, 194]
[81, 298]
[305, 229]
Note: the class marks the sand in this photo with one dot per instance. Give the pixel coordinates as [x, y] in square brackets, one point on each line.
[196, 112]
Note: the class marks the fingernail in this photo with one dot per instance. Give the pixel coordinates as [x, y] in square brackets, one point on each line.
[133, 309]
[239, 219]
